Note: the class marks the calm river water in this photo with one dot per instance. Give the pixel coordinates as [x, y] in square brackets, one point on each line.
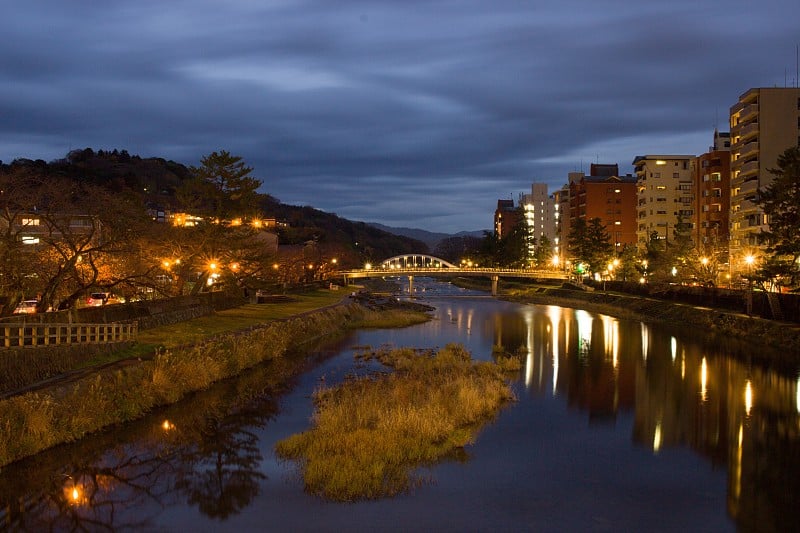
[619, 426]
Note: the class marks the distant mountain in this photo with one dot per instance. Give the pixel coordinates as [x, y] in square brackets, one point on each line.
[428, 237]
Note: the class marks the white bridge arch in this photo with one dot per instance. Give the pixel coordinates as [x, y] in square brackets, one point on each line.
[410, 265]
[407, 261]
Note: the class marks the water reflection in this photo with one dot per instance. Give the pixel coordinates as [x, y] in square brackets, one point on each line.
[736, 415]
[204, 454]
[667, 393]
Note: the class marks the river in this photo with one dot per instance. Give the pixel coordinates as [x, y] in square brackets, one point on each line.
[618, 426]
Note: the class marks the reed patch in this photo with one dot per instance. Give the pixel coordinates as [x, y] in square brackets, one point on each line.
[371, 434]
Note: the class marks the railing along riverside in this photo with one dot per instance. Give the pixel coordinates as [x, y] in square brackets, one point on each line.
[38, 335]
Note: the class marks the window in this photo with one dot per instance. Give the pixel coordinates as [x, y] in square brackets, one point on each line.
[662, 187]
[676, 175]
[685, 187]
[30, 221]
[657, 175]
[29, 240]
[716, 176]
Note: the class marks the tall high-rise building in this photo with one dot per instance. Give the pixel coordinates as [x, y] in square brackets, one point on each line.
[764, 123]
[539, 215]
[665, 195]
[712, 180]
[561, 220]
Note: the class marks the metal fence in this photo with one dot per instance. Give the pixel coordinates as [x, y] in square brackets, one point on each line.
[17, 335]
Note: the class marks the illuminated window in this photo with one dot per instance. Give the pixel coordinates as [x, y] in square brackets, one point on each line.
[30, 221]
[30, 240]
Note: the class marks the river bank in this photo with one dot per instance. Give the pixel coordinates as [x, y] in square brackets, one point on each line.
[768, 342]
[65, 412]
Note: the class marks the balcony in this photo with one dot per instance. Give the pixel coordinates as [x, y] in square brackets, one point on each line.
[748, 131]
[748, 150]
[749, 169]
[748, 112]
[748, 187]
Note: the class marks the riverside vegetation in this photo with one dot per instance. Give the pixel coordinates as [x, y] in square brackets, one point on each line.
[370, 433]
[34, 421]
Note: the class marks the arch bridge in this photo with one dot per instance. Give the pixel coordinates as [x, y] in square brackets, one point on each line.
[410, 265]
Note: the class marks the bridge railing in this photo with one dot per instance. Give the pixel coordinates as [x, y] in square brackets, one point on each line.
[382, 271]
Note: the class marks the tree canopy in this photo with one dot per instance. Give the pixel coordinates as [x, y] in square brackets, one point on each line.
[590, 244]
[780, 201]
[222, 186]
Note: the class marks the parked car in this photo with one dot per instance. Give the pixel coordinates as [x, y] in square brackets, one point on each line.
[97, 299]
[26, 307]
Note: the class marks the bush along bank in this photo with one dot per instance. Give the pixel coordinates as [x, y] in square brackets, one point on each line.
[32, 422]
[766, 341]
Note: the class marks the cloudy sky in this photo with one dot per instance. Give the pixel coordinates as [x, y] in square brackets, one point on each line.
[406, 112]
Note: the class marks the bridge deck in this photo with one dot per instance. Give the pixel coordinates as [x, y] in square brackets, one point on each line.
[450, 272]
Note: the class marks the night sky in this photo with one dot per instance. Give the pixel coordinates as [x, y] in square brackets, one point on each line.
[409, 113]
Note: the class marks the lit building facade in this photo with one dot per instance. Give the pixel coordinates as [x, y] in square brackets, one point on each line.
[561, 220]
[606, 195]
[712, 179]
[665, 195]
[539, 210]
[764, 123]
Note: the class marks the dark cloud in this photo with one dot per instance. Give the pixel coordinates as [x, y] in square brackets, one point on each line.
[415, 113]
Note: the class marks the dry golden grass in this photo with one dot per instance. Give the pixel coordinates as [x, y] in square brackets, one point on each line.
[30, 423]
[370, 433]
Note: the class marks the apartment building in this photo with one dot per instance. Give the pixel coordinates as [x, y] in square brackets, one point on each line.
[606, 195]
[506, 218]
[764, 123]
[665, 195]
[561, 220]
[712, 179]
[539, 210]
